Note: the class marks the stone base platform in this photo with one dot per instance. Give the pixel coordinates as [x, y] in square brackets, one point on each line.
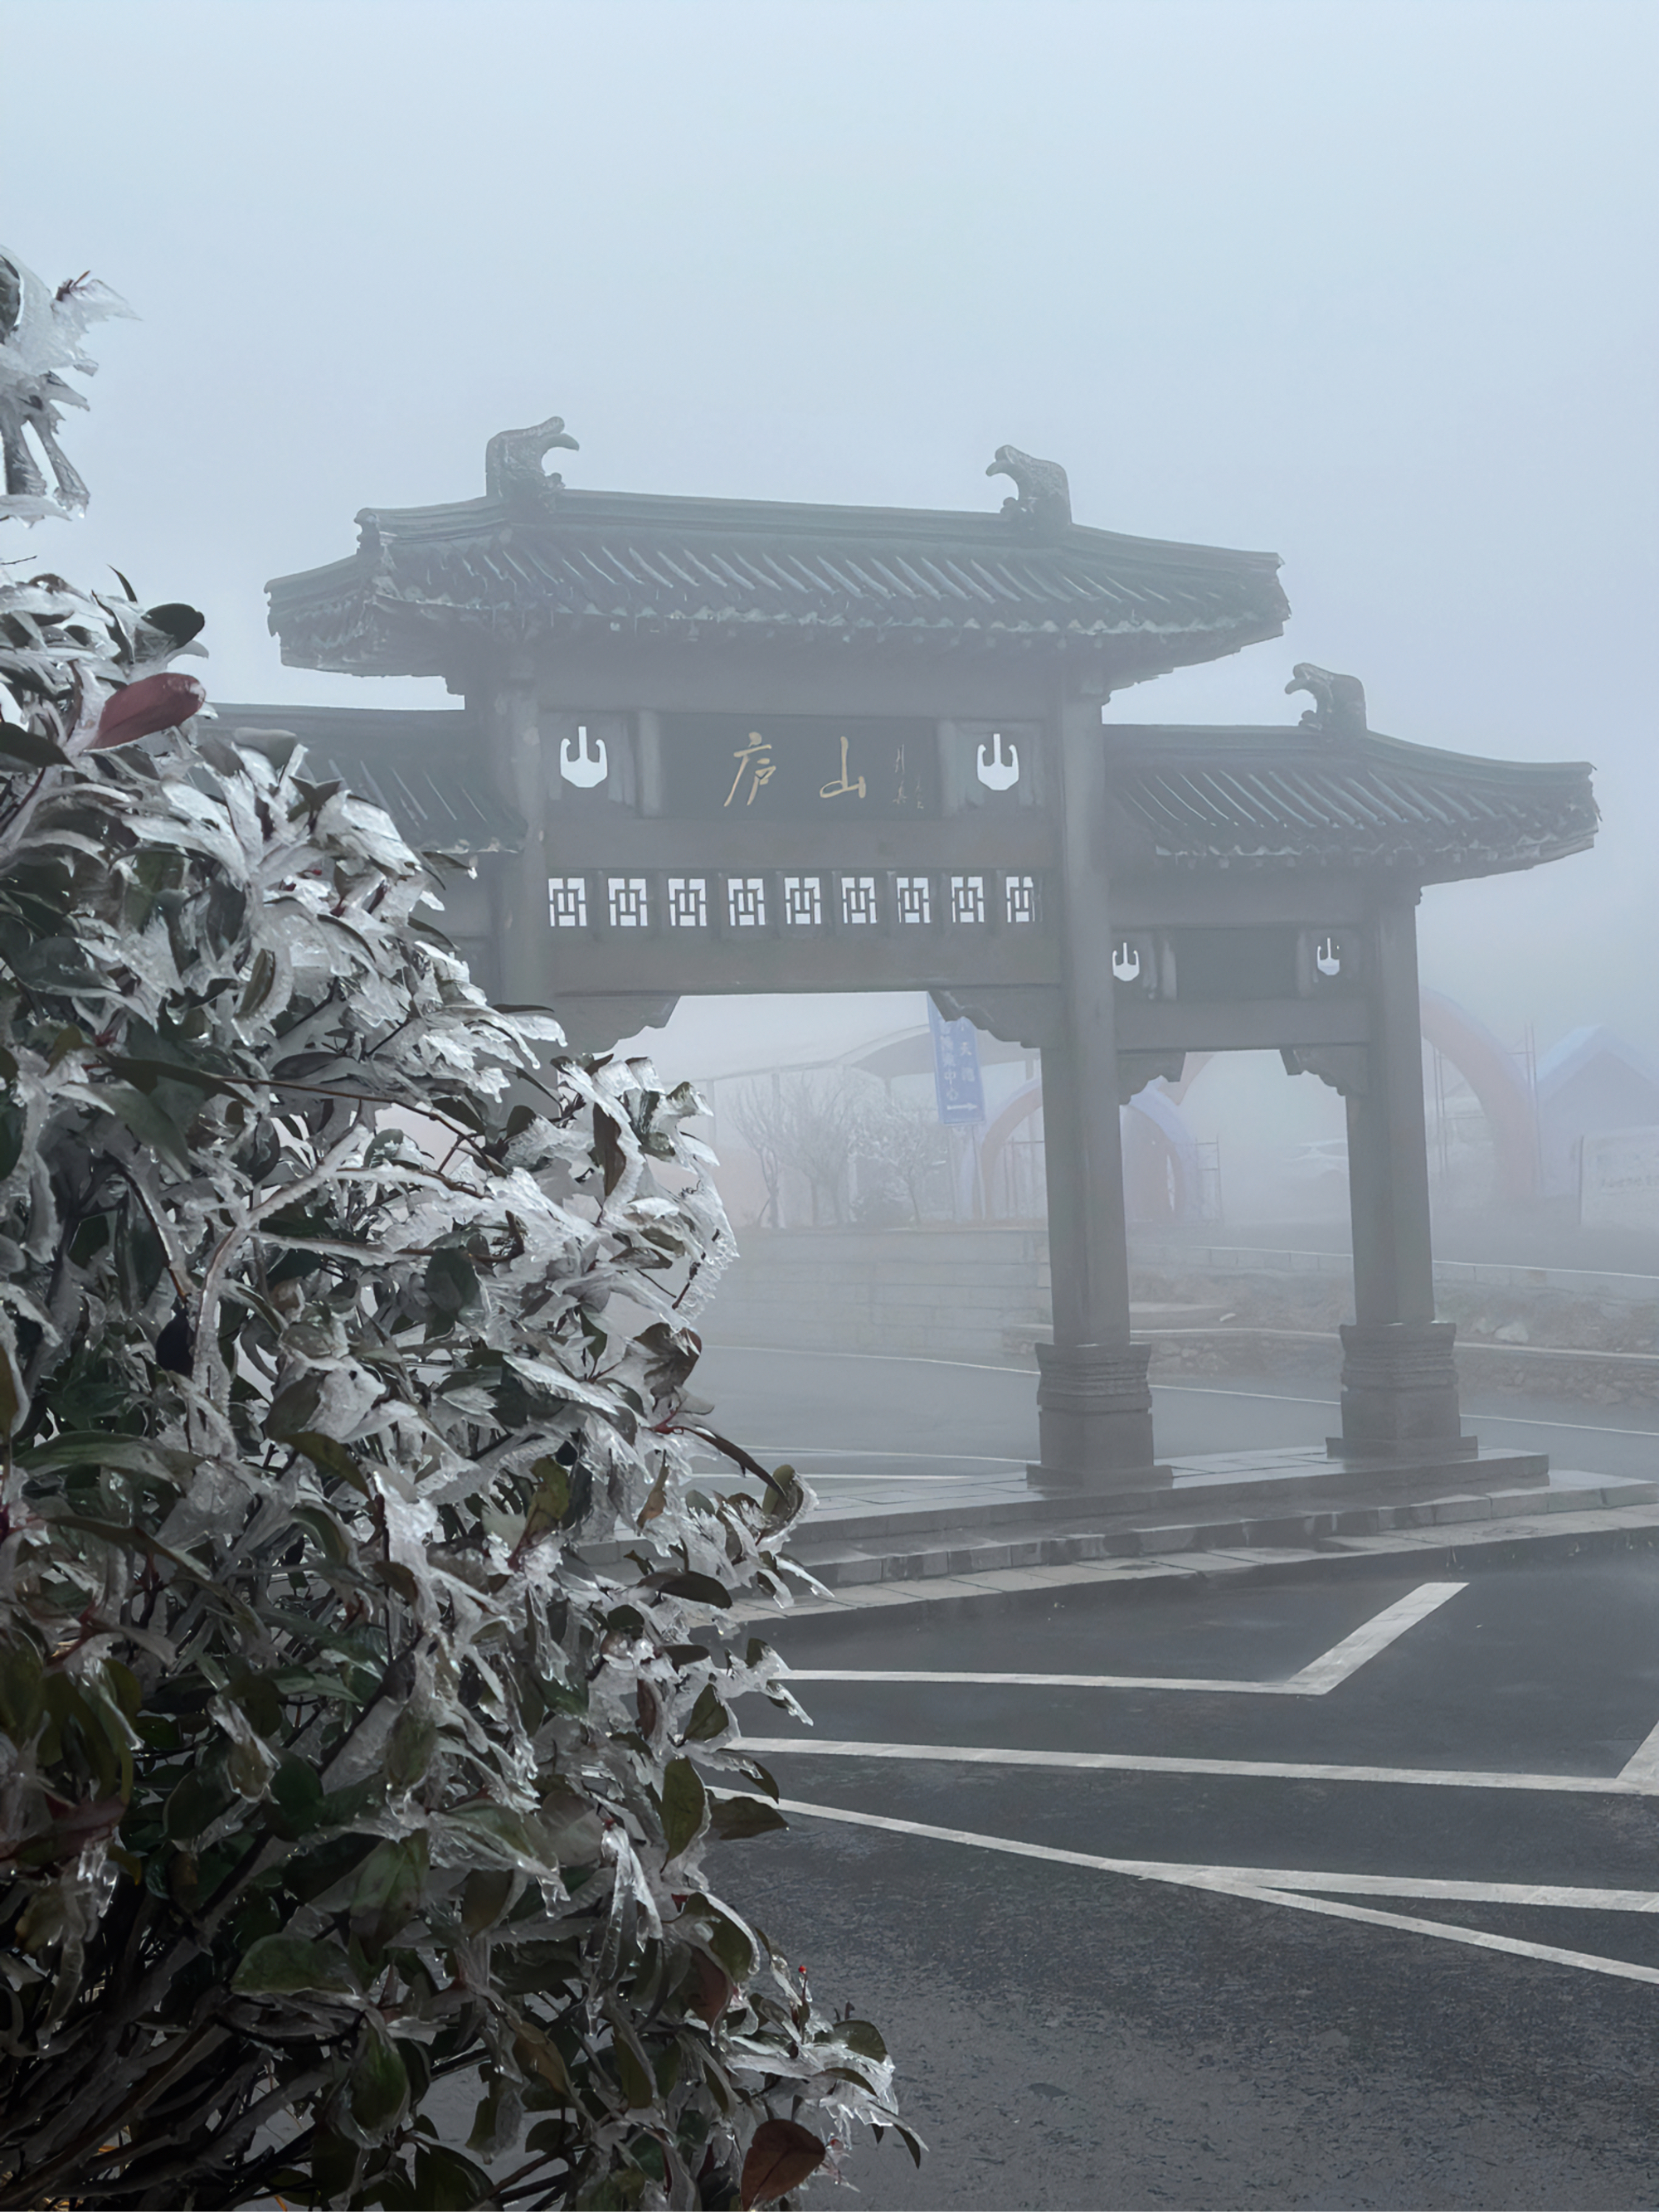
[1304, 1471]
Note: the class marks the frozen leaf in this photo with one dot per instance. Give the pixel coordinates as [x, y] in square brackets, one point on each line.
[734, 1818]
[378, 2086]
[684, 1805]
[779, 2159]
[286, 1966]
[154, 703]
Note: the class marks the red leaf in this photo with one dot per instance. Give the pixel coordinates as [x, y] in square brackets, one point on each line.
[779, 2159]
[154, 703]
[714, 1988]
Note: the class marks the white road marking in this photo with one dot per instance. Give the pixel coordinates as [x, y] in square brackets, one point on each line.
[1643, 1767]
[1115, 1762]
[1317, 1679]
[1317, 1880]
[1470, 1413]
[1045, 1681]
[1323, 1675]
[1256, 1886]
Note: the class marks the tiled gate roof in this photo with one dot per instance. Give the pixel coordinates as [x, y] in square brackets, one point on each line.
[428, 586]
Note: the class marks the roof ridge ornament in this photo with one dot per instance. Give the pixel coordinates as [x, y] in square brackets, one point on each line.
[1043, 496]
[1339, 702]
[513, 461]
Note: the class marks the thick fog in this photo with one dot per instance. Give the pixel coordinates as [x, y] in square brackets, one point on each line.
[1367, 285]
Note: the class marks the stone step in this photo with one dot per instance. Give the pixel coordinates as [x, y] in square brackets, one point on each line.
[839, 1560]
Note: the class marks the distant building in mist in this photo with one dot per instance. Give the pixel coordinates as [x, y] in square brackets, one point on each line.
[1590, 1080]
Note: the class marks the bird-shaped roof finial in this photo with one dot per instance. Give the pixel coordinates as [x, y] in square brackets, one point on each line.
[512, 460]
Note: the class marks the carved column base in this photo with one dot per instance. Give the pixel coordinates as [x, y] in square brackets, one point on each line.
[1400, 1394]
[1095, 1418]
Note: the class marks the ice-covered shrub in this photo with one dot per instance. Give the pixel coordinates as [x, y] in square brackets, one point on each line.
[330, 1768]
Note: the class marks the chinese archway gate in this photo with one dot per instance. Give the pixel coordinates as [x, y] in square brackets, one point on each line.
[720, 746]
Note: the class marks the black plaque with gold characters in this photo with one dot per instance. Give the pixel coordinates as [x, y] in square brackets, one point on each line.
[799, 768]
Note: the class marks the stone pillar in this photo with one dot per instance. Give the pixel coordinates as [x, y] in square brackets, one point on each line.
[1095, 1410]
[1399, 1383]
[516, 745]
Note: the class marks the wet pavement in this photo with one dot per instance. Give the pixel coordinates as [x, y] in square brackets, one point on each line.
[1367, 1915]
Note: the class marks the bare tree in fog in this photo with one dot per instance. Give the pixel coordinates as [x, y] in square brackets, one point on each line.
[905, 1146]
[760, 1119]
[822, 1124]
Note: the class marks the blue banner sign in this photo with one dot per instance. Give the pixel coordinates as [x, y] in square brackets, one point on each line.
[956, 1084]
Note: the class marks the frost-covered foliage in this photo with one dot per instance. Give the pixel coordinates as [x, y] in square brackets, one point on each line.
[335, 1761]
[41, 333]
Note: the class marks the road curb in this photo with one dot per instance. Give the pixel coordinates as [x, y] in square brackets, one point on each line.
[1477, 1548]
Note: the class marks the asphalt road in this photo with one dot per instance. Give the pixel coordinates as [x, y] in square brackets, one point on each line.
[1317, 1987]
[1073, 2035]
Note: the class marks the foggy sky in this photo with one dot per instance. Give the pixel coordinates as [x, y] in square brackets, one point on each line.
[1369, 285]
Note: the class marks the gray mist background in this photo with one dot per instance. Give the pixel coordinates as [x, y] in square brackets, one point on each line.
[1370, 285]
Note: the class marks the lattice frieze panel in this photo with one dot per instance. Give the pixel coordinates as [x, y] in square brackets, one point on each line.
[803, 902]
[629, 901]
[567, 902]
[858, 910]
[1019, 900]
[746, 901]
[687, 903]
[913, 898]
[968, 899]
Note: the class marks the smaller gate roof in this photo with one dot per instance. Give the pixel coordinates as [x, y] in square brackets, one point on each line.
[419, 766]
[1308, 798]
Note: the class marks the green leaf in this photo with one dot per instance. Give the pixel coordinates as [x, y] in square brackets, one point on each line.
[326, 1455]
[861, 2035]
[19, 744]
[260, 977]
[196, 1803]
[388, 1889]
[51, 965]
[334, 2162]
[177, 621]
[291, 1409]
[288, 1965]
[505, 1834]
[485, 1895]
[12, 1399]
[752, 1771]
[297, 1794]
[452, 1283]
[684, 1806]
[710, 1717]
[378, 2086]
[730, 1943]
[551, 1501]
[410, 1747]
[20, 1669]
[913, 2144]
[734, 1818]
[572, 1827]
[14, 1122]
[447, 2182]
[608, 1149]
[150, 1122]
[639, 2083]
[696, 1589]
